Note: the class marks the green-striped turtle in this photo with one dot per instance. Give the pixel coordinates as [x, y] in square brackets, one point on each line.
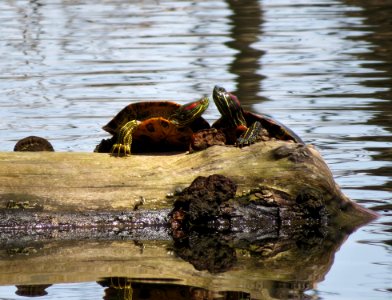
[155, 126]
[244, 127]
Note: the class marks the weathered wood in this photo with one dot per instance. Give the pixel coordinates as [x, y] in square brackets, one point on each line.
[91, 181]
[82, 181]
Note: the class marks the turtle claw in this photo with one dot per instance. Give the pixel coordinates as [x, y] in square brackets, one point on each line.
[250, 135]
[124, 140]
[120, 150]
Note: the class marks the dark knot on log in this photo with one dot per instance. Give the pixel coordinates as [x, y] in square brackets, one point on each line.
[202, 199]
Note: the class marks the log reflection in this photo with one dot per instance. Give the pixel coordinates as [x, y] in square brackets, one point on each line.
[242, 265]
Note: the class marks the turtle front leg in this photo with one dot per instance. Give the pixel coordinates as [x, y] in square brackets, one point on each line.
[124, 139]
[250, 135]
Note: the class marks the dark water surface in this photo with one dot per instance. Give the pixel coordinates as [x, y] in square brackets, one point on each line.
[324, 68]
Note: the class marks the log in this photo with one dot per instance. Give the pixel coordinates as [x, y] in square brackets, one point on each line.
[78, 212]
[79, 182]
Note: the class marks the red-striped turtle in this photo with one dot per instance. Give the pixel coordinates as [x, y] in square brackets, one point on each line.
[244, 127]
[155, 126]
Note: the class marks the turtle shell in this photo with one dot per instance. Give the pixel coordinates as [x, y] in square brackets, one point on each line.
[271, 128]
[33, 143]
[155, 132]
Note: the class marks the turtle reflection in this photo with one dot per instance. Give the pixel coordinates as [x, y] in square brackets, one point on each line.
[117, 288]
[127, 288]
[36, 290]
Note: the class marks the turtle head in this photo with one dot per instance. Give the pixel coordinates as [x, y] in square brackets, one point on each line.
[189, 112]
[229, 107]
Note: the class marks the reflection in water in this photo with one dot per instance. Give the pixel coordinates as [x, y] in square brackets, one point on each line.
[376, 16]
[117, 288]
[122, 288]
[246, 22]
[37, 290]
[251, 263]
[206, 252]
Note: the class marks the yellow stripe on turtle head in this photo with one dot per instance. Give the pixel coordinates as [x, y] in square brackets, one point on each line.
[229, 106]
[189, 112]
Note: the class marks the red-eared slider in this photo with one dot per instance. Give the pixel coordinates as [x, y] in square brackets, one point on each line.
[155, 126]
[244, 127]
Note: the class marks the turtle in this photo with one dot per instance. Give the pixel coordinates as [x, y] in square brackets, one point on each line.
[155, 126]
[243, 127]
[33, 144]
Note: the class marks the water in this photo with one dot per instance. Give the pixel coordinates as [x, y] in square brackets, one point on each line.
[321, 67]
